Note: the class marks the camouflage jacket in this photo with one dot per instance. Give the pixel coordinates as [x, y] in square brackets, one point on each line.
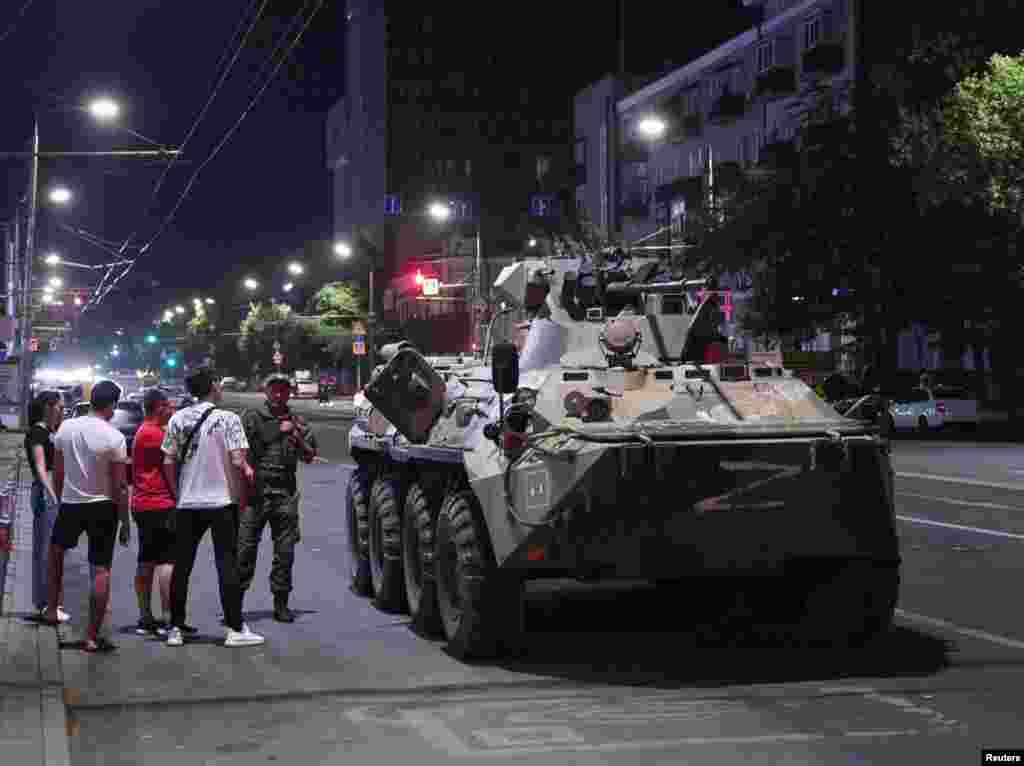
[273, 455]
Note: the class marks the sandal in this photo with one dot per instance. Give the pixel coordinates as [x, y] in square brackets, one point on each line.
[102, 645]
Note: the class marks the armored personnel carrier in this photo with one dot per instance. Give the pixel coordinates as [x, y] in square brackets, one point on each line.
[602, 445]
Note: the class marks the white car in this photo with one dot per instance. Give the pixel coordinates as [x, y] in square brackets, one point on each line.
[961, 406]
[916, 408]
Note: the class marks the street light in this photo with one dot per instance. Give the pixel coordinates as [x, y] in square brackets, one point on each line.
[56, 282]
[179, 309]
[168, 315]
[60, 195]
[295, 268]
[104, 109]
[532, 242]
[652, 127]
[251, 284]
[47, 298]
[48, 290]
[288, 287]
[439, 211]
[52, 259]
[342, 249]
[210, 301]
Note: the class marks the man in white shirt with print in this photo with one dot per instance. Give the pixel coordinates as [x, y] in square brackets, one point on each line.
[212, 472]
[89, 477]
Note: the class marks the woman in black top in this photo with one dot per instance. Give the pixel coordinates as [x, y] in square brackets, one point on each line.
[45, 414]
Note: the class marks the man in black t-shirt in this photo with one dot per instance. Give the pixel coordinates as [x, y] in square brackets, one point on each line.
[45, 415]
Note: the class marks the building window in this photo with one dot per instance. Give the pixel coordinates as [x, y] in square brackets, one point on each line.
[766, 56]
[469, 168]
[812, 32]
[450, 167]
[428, 56]
[428, 25]
[581, 151]
[543, 167]
[414, 57]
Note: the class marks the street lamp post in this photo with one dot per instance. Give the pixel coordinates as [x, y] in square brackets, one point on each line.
[25, 360]
[344, 251]
[441, 212]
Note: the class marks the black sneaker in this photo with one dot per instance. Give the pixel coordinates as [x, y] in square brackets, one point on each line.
[188, 630]
[147, 627]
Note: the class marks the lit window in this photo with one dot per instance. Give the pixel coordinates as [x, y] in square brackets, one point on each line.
[469, 168]
[766, 56]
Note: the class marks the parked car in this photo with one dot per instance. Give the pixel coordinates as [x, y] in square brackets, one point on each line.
[960, 404]
[128, 416]
[916, 408]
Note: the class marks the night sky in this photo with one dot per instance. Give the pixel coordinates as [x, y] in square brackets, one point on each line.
[268, 192]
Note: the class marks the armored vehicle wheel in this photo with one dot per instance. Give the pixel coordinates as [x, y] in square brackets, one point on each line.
[357, 520]
[386, 544]
[848, 603]
[480, 607]
[420, 519]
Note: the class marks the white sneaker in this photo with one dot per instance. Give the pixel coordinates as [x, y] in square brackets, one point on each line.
[62, 616]
[174, 637]
[243, 637]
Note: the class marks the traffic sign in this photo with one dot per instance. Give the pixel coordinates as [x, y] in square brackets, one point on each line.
[431, 286]
[278, 358]
[53, 344]
[359, 345]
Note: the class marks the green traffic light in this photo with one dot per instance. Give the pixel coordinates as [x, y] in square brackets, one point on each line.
[150, 339]
[172, 362]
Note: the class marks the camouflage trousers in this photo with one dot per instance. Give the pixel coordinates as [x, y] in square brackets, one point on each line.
[281, 511]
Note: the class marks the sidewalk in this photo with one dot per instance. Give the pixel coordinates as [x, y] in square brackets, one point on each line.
[33, 719]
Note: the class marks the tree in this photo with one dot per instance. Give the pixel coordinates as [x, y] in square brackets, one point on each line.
[267, 323]
[342, 299]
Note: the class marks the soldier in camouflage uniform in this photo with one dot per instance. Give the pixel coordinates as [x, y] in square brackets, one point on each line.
[278, 440]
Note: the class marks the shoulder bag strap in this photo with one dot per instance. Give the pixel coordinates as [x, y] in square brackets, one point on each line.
[188, 442]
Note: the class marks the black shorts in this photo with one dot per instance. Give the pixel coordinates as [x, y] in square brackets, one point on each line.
[97, 520]
[156, 536]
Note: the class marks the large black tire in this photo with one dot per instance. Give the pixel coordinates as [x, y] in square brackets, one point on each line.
[848, 603]
[386, 544]
[480, 606]
[357, 520]
[420, 521]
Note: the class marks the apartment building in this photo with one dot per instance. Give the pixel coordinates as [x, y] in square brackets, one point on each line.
[433, 114]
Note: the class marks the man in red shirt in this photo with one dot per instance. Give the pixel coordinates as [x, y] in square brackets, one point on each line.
[153, 510]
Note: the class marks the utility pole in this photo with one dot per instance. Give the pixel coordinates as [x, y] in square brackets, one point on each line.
[25, 360]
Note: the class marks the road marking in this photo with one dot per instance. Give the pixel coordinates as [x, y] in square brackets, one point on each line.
[969, 503]
[1012, 643]
[947, 525]
[960, 480]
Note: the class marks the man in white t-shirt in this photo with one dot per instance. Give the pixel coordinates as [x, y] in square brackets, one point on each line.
[213, 469]
[89, 476]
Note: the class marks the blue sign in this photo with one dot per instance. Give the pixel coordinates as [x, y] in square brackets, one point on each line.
[392, 204]
[545, 206]
[464, 207]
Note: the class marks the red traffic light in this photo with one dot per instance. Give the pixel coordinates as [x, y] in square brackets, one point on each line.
[419, 277]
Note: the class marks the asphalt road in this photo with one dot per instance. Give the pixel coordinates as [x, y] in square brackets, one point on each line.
[612, 675]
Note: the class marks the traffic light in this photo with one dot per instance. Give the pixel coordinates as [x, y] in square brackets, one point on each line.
[150, 338]
[171, 362]
[419, 278]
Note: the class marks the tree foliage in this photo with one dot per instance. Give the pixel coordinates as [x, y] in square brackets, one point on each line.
[338, 299]
[267, 323]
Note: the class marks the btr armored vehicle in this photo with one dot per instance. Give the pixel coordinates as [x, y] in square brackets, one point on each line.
[602, 444]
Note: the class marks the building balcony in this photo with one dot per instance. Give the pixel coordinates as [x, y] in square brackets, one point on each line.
[635, 206]
[728, 107]
[776, 82]
[825, 58]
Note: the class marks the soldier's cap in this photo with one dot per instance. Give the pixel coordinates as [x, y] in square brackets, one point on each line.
[276, 377]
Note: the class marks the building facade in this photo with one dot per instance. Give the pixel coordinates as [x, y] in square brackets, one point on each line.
[431, 114]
